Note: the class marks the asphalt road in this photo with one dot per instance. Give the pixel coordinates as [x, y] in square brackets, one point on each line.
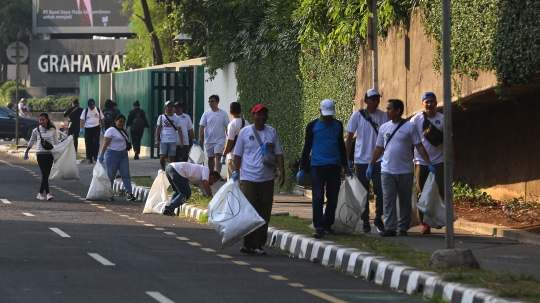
[72, 250]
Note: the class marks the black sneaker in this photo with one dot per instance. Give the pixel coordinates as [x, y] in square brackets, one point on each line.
[259, 251]
[247, 250]
[402, 233]
[130, 197]
[169, 213]
[366, 227]
[388, 233]
[319, 233]
[378, 224]
[111, 199]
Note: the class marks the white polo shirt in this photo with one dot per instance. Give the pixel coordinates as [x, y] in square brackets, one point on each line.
[215, 123]
[195, 173]
[91, 117]
[118, 142]
[185, 122]
[233, 129]
[398, 154]
[168, 133]
[365, 134]
[435, 153]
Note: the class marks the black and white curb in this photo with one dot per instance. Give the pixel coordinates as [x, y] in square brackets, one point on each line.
[17, 153]
[377, 269]
[192, 211]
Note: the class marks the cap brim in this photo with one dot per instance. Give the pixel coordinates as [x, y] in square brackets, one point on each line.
[328, 112]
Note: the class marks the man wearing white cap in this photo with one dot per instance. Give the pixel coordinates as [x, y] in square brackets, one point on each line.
[324, 140]
[168, 134]
[365, 123]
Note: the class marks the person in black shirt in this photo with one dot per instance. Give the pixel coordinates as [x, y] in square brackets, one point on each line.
[74, 114]
[138, 122]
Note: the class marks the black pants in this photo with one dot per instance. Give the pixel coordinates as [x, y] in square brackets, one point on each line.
[91, 140]
[45, 162]
[75, 133]
[182, 153]
[136, 137]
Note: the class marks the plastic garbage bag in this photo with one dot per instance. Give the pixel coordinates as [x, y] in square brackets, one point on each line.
[100, 187]
[158, 197]
[65, 161]
[196, 154]
[432, 204]
[231, 214]
[350, 205]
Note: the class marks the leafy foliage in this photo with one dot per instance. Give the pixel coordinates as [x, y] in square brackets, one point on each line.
[50, 103]
[463, 192]
[15, 21]
[8, 90]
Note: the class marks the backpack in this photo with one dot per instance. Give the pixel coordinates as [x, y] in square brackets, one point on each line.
[138, 123]
[110, 115]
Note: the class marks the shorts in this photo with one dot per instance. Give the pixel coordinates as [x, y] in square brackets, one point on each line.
[167, 148]
[212, 149]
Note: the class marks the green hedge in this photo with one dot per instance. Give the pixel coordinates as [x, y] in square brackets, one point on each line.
[50, 103]
[8, 92]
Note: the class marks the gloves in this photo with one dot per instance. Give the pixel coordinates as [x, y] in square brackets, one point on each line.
[234, 176]
[263, 149]
[195, 142]
[100, 158]
[300, 176]
[26, 156]
[81, 131]
[223, 159]
[347, 171]
[431, 168]
[369, 172]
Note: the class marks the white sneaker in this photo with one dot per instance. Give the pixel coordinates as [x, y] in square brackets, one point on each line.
[40, 196]
[49, 197]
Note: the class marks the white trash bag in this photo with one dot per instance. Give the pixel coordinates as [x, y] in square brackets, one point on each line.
[351, 203]
[231, 214]
[65, 161]
[100, 188]
[158, 197]
[196, 154]
[432, 204]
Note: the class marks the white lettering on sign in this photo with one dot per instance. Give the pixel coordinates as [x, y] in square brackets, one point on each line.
[53, 63]
[80, 63]
[64, 64]
[43, 67]
[87, 64]
[116, 63]
[75, 62]
[103, 64]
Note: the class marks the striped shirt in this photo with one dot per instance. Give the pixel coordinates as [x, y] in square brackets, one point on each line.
[47, 134]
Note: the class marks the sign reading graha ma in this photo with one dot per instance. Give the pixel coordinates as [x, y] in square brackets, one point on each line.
[80, 63]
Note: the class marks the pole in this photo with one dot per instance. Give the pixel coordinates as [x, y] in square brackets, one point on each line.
[375, 54]
[447, 109]
[17, 91]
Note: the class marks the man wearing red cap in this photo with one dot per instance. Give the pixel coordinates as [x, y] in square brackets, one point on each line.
[253, 156]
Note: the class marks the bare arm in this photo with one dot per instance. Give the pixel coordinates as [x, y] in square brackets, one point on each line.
[191, 133]
[377, 152]
[158, 132]
[207, 188]
[348, 144]
[181, 137]
[201, 132]
[82, 123]
[422, 151]
[237, 163]
[228, 147]
[102, 122]
[106, 142]
[281, 165]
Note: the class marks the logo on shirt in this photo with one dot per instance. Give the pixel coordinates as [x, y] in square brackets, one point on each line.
[166, 123]
[251, 138]
[387, 135]
[437, 122]
[376, 125]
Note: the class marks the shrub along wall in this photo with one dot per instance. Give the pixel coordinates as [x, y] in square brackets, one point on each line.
[50, 103]
[8, 92]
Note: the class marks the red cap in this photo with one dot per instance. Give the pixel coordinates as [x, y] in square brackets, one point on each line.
[258, 107]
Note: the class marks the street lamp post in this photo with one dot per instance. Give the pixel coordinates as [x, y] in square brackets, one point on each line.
[183, 37]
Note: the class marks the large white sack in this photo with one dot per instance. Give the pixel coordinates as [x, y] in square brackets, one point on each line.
[65, 161]
[158, 197]
[432, 204]
[196, 154]
[231, 214]
[351, 203]
[100, 187]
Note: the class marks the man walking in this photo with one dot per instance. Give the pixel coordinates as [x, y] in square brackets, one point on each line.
[324, 140]
[187, 132]
[91, 118]
[435, 150]
[257, 184]
[213, 125]
[138, 122]
[168, 134]
[365, 123]
[233, 129]
[74, 116]
[396, 138]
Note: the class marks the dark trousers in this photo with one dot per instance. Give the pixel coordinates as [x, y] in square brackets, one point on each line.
[261, 197]
[329, 175]
[75, 133]
[422, 172]
[45, 162]
[136, 137]
[91, 140]
[180, 187]
[182, 153]
[377, 189]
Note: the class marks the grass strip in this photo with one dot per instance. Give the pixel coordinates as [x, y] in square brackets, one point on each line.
[524, 287]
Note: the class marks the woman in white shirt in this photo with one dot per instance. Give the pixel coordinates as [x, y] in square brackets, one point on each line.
[115, 143]
[47, 132]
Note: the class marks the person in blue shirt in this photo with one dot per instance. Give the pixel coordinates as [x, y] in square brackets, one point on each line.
[324, 141]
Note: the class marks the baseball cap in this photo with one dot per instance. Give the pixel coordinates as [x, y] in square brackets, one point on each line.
[178, 104]
[258, 108]
[328, 108]
[428, 95]
[372, 93]
[91, 102]
[23, 99]
[167, 103]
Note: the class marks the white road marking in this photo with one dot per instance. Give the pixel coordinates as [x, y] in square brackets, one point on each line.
[61, 233]
[100, 259]
[159, 297]
[28, 214]
[170, 233]
[5, 201]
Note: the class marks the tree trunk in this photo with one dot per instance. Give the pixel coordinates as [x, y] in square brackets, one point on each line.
[156, 48]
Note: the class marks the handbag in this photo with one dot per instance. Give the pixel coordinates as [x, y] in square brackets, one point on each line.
[432, 134]
[44, 143]
[128, 144]
[267, 150]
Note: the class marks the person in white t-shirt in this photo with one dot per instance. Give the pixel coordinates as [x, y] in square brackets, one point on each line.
[91, 120]
[257, 179]
[436, 153]
[233, 129]
[168, 134]
[213, 125]
[187, 132]
[365, 123]
[396, 139]
[181, 175]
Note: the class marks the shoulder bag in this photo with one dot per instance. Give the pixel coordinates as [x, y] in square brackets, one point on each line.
[267, 150]
[432, 134]
[128, 144]
[44, 143]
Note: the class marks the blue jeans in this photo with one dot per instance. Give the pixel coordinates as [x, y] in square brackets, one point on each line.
[180, 186]
[377, 189]
[167, 148]
[329, 175]
[118, 160]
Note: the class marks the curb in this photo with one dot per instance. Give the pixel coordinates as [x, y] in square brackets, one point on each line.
[17, 153]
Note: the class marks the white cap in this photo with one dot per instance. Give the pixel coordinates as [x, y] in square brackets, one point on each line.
[167, 102]
[372, 93]
[328, 108]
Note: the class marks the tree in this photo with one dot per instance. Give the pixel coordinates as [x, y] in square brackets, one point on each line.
[15, 22]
